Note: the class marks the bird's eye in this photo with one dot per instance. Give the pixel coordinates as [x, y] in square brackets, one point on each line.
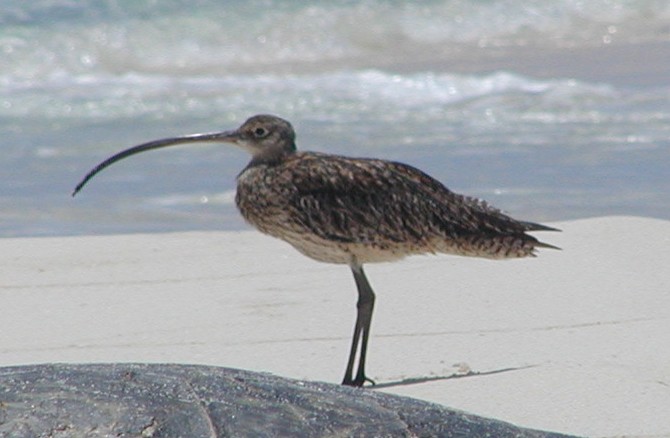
[260, 132]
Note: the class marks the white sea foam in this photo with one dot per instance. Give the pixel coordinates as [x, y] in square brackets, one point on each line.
[336, 93]
[43, 38]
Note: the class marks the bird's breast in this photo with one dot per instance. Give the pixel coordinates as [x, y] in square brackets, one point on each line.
[263, 194]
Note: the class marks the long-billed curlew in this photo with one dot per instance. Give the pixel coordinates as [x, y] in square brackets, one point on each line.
[353, 211]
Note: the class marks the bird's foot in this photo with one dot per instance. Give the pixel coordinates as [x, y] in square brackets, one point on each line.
[358, 382]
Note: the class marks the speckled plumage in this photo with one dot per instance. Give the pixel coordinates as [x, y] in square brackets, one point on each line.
[333, 208]
[353, 211]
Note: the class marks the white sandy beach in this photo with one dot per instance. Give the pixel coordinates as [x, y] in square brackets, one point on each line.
[580, 337]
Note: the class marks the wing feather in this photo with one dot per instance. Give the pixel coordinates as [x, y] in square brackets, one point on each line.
[366, 200]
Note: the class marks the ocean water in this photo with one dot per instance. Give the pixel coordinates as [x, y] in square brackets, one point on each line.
[549, 110]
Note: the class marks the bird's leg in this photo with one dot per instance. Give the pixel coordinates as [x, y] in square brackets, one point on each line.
[365, 305]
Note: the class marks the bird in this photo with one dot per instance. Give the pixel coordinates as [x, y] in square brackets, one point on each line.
[353, 211]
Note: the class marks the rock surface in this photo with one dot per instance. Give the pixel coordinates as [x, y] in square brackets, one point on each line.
[167, 400]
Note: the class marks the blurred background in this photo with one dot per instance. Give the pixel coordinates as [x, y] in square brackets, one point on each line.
[548, 109]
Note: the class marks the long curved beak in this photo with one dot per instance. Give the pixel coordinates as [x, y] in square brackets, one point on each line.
[225, 137]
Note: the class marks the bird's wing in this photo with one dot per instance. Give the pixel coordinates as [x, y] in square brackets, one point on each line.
[367, 200]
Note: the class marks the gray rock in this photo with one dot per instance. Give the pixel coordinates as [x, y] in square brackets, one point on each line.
[156, 400]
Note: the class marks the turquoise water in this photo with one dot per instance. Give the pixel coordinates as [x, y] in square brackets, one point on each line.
[453, 87]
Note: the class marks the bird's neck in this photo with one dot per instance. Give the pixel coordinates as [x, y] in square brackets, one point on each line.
[270, 157]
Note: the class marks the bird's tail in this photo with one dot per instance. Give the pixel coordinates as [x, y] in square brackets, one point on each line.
[539, 244]
[533, 226]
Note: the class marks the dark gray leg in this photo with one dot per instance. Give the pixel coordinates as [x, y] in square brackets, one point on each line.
[365, 305]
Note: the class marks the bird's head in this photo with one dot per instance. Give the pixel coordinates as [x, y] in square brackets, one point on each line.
[265, 137]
